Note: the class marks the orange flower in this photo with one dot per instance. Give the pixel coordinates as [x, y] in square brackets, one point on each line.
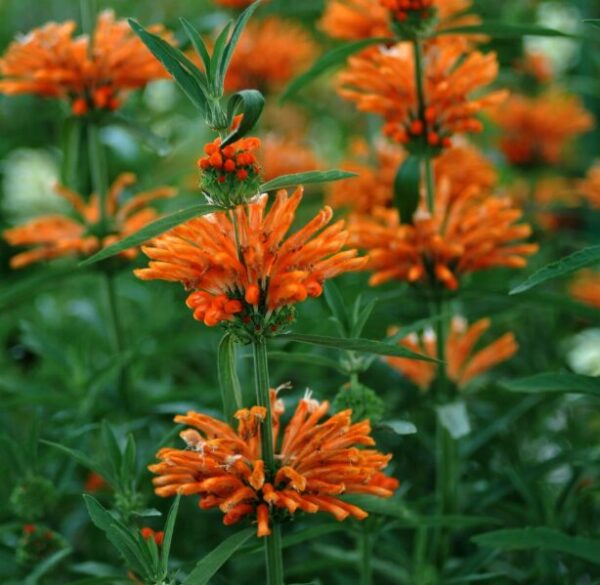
[471, 233]
[268, 54]
[285, 156]
[51, 62]
[463, 166]
[56, 236]
[586, 288]
[94, 483]
[316, 462]
[590, 187]
[537, 130]
[382, 81]
[463, 362]
[364, 19]
[157, 536]
[250, 270]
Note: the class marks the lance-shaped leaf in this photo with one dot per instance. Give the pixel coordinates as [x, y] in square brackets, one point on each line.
[555, 383]
[152, 230]
[407, 188]
[249, 102]
[506, 30]
[305, 179]
[332, 59]
[217, 56]
[562, 267]
[214, 560]
[191, 80]
[336, 304]
[168, 538]
[231, 390]
[541, 538]
[593, 21]
[361, 345]
[307, 359]
[197, 42]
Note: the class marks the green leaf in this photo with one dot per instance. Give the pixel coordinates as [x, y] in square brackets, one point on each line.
[152, 230]
[407, 188]
[332, 59]
[361, 317]
[541, 538]
[305, 179]
[362, 345]
[46, 565]
[128, 461]
[593, 21]
[506, 30]
[562, 267]
[558, 382]
[219, 48]
[197, 42]
[231, 390]
[168, 539]
[309, 359]
[400, 427]
[214, 560]
[337, 306]
[189, 78]
[454, 418]
[249, 102]
[112, 451]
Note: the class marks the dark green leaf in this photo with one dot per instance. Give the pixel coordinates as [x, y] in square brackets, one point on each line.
[46, 566]
[541, 538]
[362, 345]
[407, 188]
[214, 75]
[168, 538]
[249, 102]
[361, 317]
[306, 178]
[505, 30]
[152, 230]
[562, 267]
[89, 463]
[214, 560]
[332, 59]
[593, 21]
[197, 42]
[337, 306]
[559, 382]
[231, 390]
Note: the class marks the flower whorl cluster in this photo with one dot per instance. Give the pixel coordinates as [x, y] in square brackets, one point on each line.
[316, 462]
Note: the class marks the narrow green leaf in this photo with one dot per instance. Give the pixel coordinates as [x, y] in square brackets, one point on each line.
[541, 538]
[562, 267]
[197, 42]
[46, 566]
[168, 539]
[152, 230]
[249, 102]
[217, 56]
[407, 188]
[189, 78]
[559, 383]
[128, 461]
[505, 30]
[231, 390]
[593, 21]
[309, 359]
[332, 59]
[337, 306]
[360, 320]
[214, 560]
[306, 178]
[112, 451]
[362, 345]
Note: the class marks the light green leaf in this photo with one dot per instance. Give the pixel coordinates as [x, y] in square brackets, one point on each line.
[455, 419]
[249, 102]
[307, 178]
[362, 345]
[541, 538]
[152, 230]
[332, 59]
[562, 267]
[559, 382]
[229, 383]
[214, 560]
[400, 427]
[407, 188]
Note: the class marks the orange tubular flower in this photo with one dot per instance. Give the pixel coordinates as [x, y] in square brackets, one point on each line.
[250, 271]
[285, 156]
[57, 236]
[590, 187]
[51, 62]
[316, 463]
[537, 130]
[463, 362]
[469, 234]
[269, 54]
[382, 81]
[586, 288]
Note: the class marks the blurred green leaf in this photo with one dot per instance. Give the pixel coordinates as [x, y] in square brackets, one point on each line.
[229, 383]
[407, 188]
[306, 178]
[541, 538]
[505, 30]
[399, 427]
[337, 306]
[593, 21]
[558, 382]
[46, 566]
[309, 359]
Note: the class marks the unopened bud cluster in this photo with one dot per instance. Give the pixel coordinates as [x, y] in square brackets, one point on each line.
[412, 17]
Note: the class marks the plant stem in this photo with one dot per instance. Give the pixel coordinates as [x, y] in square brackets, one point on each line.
[365, 542]
[98, 170]
[118, 339]
[274, 559]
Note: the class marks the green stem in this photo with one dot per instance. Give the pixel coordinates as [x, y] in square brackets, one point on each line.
[118, 338]
[274, 558]
[366, 553]
[99, 173]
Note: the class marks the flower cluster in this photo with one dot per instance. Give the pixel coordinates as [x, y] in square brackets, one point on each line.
[52, 62]
[382, 81]
[464, 362]
[315, 463]
[81, 234]
[404, 10]
[241, 267]
[472, 232]
[230, 174]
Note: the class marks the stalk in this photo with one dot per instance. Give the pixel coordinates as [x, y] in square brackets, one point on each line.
[273, 556]
[365, 544]
[99, 173]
